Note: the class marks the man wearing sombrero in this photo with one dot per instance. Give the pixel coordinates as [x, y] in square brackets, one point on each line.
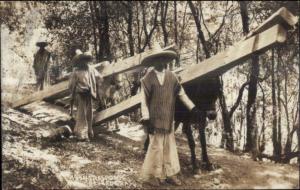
[41, 64]
[160, 88]
[84, 83]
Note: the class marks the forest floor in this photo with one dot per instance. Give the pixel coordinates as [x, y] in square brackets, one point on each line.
[114, 161]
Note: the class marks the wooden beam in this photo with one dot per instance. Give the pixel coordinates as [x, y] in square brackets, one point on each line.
[283, 16]
[66, 76]
[64, 102]
[213, 66]
[129, 63]
[236, 54]
[61, 89]
[47, 112]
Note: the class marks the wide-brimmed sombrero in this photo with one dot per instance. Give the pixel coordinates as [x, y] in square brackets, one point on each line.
[157, 52]
[41, 44]
[82, 57]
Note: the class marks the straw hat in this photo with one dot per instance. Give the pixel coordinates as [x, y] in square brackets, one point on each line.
[85, 57]
[42, 42]
[157, 52]
[82, 57]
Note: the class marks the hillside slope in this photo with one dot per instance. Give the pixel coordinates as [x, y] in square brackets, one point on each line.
[114, 161]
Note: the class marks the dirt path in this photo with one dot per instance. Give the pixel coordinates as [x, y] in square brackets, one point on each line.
[113, 161]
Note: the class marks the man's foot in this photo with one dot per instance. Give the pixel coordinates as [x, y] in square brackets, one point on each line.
[154, 182]
[173, 181]
[116, 130]
[196, 170]
[91, 135]
[80, 139]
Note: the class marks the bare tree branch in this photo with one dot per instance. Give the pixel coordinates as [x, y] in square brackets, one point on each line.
[148, 36]
[222, 23]
[202, 18]
[237, 102]
[200, 32]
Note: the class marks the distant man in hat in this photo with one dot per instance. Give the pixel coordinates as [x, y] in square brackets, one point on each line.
[83, 85]
[160, 88]
[41, 64]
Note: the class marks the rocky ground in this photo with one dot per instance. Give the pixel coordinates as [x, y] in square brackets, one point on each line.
[113, 161]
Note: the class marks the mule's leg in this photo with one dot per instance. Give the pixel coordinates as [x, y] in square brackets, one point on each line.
[176, 125]
[186, 128]
[117, 129]
[146, 143]
[203, 144]
[205, 161]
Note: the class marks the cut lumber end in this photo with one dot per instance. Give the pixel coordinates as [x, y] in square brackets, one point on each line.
[288, 17]
[282, 16]
[281, 34]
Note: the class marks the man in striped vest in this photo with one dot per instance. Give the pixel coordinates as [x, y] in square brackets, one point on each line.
[160, 88]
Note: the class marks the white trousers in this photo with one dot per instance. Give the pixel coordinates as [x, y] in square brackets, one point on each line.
[161, 159]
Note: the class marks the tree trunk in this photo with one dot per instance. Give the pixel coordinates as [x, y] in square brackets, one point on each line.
[129, 29]
[175, 23]
[274, 108]
[245, 17]
[262, 140]
[228, 135]
[181, 39]
[251, 138]
[288, 145]
[163, 16]
[197, 52]
[279, 107]
[94, 25]
[251, 142]
[138, 28]
[104, 44]
[241, 126]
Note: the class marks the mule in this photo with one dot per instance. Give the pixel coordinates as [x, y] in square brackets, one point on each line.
[110, 95]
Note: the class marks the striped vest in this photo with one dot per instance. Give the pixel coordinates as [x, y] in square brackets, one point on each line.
[161, 100]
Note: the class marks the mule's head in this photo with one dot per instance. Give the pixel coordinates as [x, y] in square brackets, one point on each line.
[211, 114]
[204, 94]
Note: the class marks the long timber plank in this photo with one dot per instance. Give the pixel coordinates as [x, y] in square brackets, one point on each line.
[61, 89]
[213, 66]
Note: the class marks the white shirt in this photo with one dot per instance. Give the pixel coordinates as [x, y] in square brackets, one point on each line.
[161, 78]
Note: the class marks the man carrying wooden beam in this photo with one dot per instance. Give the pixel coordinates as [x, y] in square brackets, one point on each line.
[83, 85]
[159, 90]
